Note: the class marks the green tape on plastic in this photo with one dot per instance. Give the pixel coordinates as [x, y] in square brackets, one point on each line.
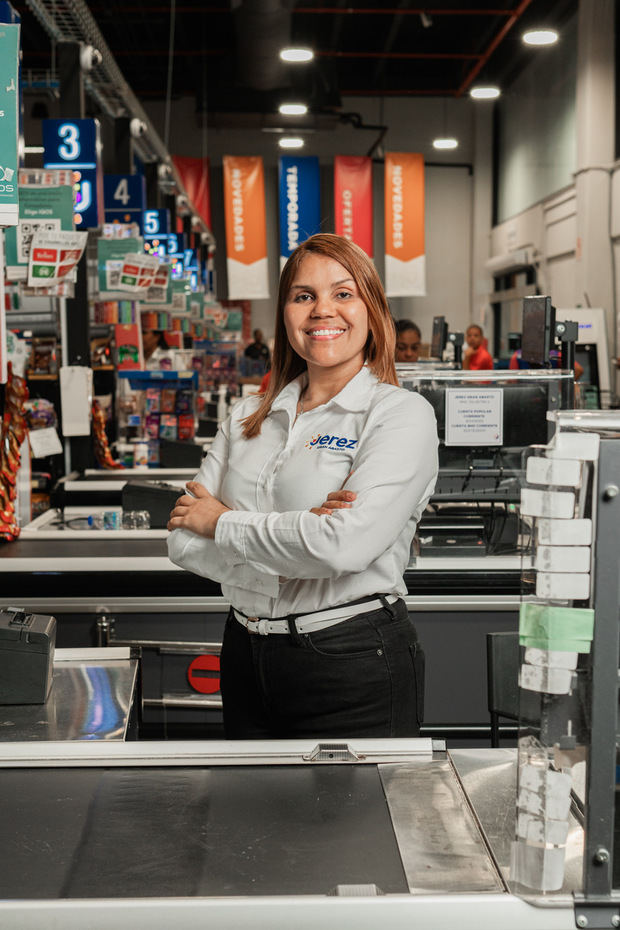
[556, 645]
[566, 629]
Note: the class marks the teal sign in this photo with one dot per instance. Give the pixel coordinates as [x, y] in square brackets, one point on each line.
[9, 108]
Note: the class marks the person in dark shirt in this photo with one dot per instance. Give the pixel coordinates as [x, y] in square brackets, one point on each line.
[257, 350]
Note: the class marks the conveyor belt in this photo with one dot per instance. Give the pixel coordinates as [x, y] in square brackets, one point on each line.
[84, 833]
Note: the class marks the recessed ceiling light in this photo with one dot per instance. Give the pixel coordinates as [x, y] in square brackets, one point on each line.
[290, 142]
[297, 54]
[445, 143]
[540, 37]
[293, 109]
[484, 93]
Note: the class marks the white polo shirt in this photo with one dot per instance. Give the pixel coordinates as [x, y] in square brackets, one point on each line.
[272, 556]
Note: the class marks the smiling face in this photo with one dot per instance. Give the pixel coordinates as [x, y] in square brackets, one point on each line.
[325, 317]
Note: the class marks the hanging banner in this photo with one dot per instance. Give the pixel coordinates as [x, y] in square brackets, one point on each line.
[194, 174]
[300, 201]
[353, 199]
[9, 107]
[246, 230]
[405, 261]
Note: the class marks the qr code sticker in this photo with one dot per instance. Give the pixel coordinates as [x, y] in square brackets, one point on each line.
[26, 230]
[113, 274]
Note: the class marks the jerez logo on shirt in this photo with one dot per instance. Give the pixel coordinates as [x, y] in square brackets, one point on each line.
[331, 442]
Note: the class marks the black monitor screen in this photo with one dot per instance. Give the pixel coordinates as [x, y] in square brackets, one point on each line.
[538, 330]
[439, 335]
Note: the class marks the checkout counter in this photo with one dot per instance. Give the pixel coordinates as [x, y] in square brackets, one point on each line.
[463, 581]
[101, 832]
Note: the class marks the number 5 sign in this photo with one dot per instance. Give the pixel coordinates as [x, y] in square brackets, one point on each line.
[124, 197]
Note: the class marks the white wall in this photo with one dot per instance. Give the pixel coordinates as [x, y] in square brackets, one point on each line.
[537, 144]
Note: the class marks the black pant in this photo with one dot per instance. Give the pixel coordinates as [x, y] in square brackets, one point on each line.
[361, 677]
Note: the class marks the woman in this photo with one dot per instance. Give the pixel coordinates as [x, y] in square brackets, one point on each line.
[304, 510]
[408, 339]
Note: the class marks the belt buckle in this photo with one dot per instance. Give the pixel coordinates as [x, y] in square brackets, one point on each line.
[251, 620]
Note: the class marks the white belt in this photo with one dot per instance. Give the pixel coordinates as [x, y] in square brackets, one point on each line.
[310, 623]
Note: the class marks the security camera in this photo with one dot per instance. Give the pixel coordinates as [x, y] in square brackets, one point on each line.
[89, 58]
[137, 127]
[182, 205]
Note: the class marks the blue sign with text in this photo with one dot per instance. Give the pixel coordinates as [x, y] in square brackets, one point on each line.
[299, 201]
[124, 196]
[75, 144]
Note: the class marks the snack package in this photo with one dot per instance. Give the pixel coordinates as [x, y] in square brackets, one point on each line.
[152, 400]
[151, 425]
[184, 402]
[168, 426]
[186, 426]
[168, 400]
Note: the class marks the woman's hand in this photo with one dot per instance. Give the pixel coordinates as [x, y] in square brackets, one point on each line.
[198, 513]
[336, 500]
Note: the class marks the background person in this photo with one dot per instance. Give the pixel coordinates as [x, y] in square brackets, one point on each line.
[304, 510]
[258, 350]
[408, 339]
[476, 357]
[156, 352]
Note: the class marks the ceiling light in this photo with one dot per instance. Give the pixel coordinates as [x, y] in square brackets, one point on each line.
[293, 109]
[296, 54]
[445, 143]
[290, 142]
[540, 37]
[484, 93]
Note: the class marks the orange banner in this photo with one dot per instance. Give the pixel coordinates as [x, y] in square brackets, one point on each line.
[246, 231]
[405, 261]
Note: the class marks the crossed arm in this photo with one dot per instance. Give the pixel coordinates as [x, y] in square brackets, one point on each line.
[199, 511]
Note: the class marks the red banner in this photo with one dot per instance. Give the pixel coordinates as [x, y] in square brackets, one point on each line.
[353, 199]
[405, 268]
[194, 174]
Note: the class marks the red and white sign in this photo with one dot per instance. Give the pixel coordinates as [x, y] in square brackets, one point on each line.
[405, 261]
[353, 199]
[53, 255]
[200, 674]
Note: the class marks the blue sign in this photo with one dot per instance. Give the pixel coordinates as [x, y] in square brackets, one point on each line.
[299, 201]
[156, 223]
[124, 196]
[75, 144]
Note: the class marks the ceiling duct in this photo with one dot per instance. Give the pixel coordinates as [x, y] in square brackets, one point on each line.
[263, 28]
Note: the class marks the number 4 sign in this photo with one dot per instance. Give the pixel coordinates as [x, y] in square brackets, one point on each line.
[124, 197]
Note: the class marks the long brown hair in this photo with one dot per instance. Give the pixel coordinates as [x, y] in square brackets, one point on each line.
[379, 350]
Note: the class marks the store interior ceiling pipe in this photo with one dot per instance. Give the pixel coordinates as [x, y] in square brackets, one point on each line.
[475, 71]
[72, 21]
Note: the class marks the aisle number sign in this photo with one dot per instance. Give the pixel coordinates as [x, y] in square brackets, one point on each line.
[76, 144]
[9, 105]
[124, 197]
